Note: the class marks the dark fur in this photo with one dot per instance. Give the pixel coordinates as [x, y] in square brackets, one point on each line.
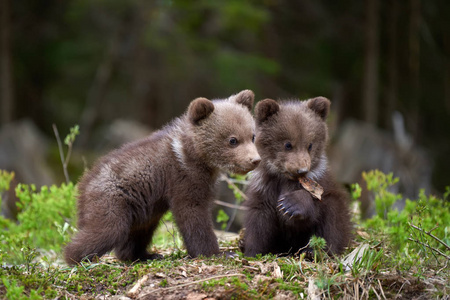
[281, 215]
[123, 197]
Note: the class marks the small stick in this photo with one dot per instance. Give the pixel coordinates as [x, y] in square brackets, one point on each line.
[378, 296]
[190, 283]
[430, 234]
[398, 293]
[61, 153]
[228, 248]
[361, 284]
[172, 234]
[230, 205]
[251, 268]
[434, 249]
[303, 248]
[444, 267]
[381, 288]
[134, 290]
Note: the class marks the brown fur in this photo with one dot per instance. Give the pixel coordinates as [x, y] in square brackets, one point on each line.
[281, 215]
[123, 197]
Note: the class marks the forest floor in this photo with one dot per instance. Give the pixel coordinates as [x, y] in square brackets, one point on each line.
[358, 274]
[393, 255]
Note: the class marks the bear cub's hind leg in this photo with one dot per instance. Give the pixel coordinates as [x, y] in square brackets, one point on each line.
[135, 247]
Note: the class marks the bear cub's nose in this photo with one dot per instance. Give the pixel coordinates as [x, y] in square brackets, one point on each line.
[256, 161]
[302, 171]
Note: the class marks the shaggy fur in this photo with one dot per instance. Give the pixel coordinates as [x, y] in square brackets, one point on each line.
[123, 197]
[282, 216]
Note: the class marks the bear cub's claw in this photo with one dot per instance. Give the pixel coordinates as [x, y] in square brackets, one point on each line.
[291, 207]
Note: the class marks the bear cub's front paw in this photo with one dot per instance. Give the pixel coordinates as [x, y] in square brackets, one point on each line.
[294, 205]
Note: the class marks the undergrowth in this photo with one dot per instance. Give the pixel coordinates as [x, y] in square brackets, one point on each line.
[395, 253]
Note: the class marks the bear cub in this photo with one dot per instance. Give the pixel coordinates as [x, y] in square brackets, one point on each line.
[282, 216]
[123, 197]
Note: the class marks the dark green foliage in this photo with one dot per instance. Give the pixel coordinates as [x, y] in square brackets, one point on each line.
[70, 56]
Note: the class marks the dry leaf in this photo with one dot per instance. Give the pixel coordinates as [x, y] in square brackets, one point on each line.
[196, 296]
[313, 290]
[315, 189]
[355, 256]
[363, 234]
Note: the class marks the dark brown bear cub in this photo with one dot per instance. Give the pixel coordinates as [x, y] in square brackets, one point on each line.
[282, 216]
[123, 197]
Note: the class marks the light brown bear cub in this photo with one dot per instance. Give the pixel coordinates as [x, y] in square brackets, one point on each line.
[282, 216]
[123, 197]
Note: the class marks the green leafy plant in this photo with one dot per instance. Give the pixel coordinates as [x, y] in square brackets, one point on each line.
[409, 231]
[45, 219]
[379, 184]
[356, 191]
[318, 244]
[5, 181]
[222, 218]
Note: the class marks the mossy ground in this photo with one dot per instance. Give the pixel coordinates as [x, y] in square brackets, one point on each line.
[394, 255]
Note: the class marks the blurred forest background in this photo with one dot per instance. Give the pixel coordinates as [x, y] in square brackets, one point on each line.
[92, 62]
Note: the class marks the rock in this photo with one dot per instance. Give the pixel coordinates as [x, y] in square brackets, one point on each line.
[119, 132]
[23, 150]
[360, 147]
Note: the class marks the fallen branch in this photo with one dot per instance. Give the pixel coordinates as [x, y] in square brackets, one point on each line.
[430, 234]
[189, 283]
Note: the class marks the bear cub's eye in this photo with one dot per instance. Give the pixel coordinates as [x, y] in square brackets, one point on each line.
[233, 141]
[288, 146]
[309, 147]
[253, 138]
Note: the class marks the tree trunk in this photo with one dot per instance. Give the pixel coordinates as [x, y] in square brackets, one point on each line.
[392, 86]
[414, 65]
[6, 84]
[370, 84]
[447, 71]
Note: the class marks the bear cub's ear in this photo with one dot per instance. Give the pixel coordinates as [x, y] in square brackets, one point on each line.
[320, 105]
[246, 98]
[265, 109]
[199, 109]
